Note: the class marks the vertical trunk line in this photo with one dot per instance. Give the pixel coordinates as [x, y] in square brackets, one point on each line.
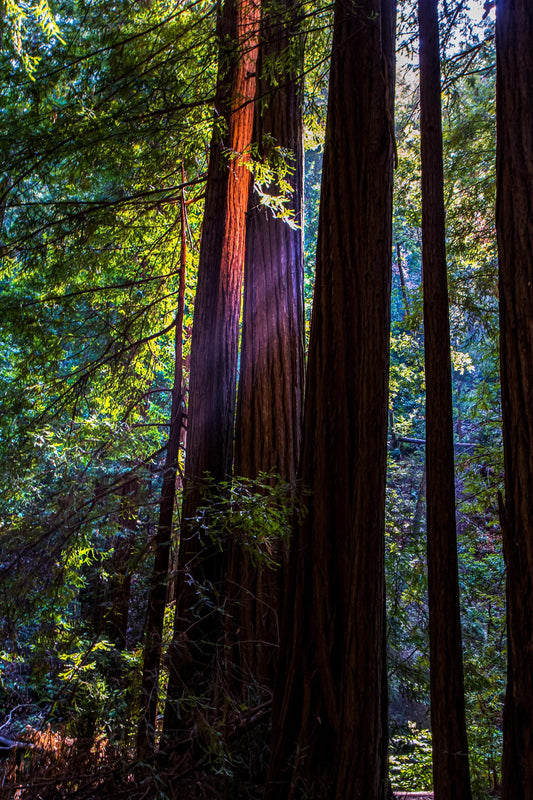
[270, 393]
[158, 585]
[202, 559]
[514, 226]
[451, 776]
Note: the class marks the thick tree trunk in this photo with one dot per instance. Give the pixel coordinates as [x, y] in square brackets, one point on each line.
[514, 222]
[269, 405]
[450, 748]
[214, 349]
[329, 737]
[158, 586]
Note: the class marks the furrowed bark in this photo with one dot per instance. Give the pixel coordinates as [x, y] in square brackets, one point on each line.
[514, 224]
[329, 737]
[202, 562]
[451, 777]
[269, 405]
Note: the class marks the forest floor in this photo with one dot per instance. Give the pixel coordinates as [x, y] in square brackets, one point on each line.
[413, 795]
[56, 767]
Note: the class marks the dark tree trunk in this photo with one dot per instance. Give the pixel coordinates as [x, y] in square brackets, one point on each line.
[329, 737]
[450, 749]
[158, 586]
[514, 222]
[214, 349]
[269, 405]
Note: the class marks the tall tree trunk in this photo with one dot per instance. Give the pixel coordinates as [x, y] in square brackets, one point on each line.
[214, 349]
[158, 586]
[451, 778]
[269, 404]
[514, 223]
[329, 737]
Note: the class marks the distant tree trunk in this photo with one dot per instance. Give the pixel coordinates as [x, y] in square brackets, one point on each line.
[158, 586]
[116, 621]
[329, 737]
[514, 223]
[402, 278]
[269, 404]
[214, 349]
[418, 516]
[451, 777]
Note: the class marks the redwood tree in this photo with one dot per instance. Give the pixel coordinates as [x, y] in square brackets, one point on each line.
[269, 404]
[214, 347]
[514, 222]
[329, 737]
[451, 778]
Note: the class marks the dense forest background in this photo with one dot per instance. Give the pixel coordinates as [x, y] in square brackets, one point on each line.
[107, 148]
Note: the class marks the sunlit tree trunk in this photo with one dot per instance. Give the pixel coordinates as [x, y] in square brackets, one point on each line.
[514, 222]
[214, 349]
[269, 405]
[451, 778]
[329, 737]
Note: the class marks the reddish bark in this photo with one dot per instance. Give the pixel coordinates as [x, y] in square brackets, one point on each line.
[269, 405]
[329, 737]
[214, 347]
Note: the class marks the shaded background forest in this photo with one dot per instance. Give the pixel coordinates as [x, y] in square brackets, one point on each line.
[104, 156]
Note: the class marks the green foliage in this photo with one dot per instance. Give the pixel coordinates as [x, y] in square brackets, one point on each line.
[410, 759]
[483, 597]
[255, 514]
[272, 167]
[22, 19]
[95, 702]
[406, 382]
[470, 185]
[91, 156]
[407, 614]
[90, 174]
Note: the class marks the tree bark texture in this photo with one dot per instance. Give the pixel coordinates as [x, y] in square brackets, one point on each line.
[451, 778]
[329, 737]
[269, 403]
[514, 223]
[155, 615]
[214, 346]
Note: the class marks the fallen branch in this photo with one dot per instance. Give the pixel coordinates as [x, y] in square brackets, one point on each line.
[422, 442]
[10, 716]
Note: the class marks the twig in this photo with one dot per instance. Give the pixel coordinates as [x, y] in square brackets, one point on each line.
[10, 716]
